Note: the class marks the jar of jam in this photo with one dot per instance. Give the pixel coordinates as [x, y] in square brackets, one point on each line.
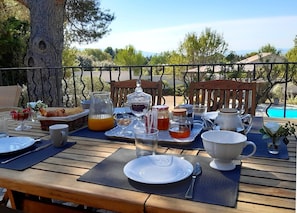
[163, 116]
[179, 124]
[189, 108]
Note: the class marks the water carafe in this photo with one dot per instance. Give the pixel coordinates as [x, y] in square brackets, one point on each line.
[101, 112]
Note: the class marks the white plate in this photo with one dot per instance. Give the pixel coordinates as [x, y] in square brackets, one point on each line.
[158, 169]
[13, 144]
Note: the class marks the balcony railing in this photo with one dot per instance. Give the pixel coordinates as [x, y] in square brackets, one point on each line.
[67, 86]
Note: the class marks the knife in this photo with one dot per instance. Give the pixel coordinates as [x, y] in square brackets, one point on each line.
[197, 171]
[26, 153]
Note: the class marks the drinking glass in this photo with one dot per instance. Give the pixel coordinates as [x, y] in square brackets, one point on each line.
[123, 121]
[22, 117]
[146, 142]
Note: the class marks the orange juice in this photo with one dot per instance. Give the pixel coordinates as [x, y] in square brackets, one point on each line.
[100, 122]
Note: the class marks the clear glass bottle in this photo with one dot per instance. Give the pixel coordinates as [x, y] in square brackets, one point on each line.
[101, 112]
[179, 124]
[139, 102]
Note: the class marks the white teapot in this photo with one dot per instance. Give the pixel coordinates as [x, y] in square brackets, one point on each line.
[230, 119]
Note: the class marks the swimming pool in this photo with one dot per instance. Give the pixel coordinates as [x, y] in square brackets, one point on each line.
[278, 112]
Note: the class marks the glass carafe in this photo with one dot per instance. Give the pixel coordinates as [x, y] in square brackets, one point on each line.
[101, 112]
[139, 102]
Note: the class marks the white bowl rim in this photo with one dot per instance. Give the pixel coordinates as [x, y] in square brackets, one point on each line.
[244, 138]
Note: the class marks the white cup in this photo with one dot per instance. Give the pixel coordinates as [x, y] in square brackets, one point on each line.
[59, 134]
[3, 127]
[225, 146]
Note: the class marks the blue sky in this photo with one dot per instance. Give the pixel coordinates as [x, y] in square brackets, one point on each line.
[161, 25]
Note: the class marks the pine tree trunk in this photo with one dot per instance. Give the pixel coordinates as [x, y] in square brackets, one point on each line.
[45, 50]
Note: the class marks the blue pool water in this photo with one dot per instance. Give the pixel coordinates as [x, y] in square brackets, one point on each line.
[278, 112]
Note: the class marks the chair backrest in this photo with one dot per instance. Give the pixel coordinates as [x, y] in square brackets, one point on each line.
[217, 94]
[10, 95]
[120, 89]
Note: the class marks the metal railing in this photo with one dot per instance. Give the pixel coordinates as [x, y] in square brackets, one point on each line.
[67, 86]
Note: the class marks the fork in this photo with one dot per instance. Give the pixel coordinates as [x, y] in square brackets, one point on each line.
[197, 171]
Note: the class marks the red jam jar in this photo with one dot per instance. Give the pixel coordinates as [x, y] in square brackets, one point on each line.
[163, 116]
[179, 125]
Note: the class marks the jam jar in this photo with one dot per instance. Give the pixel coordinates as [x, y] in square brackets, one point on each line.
[163, 116]
[180, 127]
[189, 108]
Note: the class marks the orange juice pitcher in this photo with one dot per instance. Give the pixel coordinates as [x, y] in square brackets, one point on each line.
[101, 112]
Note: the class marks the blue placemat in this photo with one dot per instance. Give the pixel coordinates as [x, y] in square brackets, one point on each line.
[212, 186]
[33, 158]
[262, 150]
[85, 132]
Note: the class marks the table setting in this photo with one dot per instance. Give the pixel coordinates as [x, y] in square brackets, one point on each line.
[26, 152]
[211, 186]
[23, 151]
[103, 162]
[225, 135]
[146, 170]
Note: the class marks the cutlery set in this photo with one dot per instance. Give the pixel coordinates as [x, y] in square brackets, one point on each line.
[26, 153]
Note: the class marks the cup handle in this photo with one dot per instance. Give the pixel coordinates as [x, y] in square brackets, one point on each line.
[63, 138]
[240, 157]
[208, 123]
[248, 126]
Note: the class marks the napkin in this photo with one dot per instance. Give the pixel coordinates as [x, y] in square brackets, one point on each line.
[33, 158]
[212, 186]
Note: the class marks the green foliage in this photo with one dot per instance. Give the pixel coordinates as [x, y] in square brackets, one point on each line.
[69, 57]
[274, 130]
[98, 54]
[82, 90]
[292, 57]
[13, 41]
[209, 47]
[160, 59]
[110, 51]
[129, 56]
[268, 48]
[292, 53]
[86, 21]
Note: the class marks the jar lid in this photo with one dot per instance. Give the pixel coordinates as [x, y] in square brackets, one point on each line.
[179, 112]
[160, 107]
[188, 107]
[228, 110]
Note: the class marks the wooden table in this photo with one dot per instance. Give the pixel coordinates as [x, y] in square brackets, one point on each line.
[266, 185]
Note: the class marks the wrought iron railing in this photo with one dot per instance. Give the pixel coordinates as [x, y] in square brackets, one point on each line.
[67, 86]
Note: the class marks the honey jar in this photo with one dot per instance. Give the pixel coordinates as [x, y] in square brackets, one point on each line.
[179, 124]
[163, 116]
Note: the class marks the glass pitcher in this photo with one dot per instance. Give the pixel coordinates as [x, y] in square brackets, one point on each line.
[101, 112]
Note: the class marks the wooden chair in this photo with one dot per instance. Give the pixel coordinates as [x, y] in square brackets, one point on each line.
[9, 96]
[120, 89]
[217, 94]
